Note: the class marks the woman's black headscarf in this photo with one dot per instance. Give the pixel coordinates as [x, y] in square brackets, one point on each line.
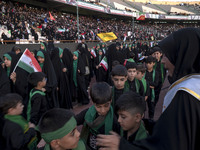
[182, 48]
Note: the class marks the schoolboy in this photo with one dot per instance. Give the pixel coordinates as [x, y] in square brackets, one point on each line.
[130, 108]
[157, 53]
[134, 84]
[99, 118]
[37, 104]
[17, 132]
[119, 77]
[109, 81]
[140, 76]
[59, 130]
[152, 77]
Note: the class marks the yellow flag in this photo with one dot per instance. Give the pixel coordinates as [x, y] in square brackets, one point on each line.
[107, 36]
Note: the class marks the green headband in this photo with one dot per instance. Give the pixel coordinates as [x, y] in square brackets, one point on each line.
[60, 51]
[8, 56]
[129, 46]
[40, 53]
[76, 53]
[98, 45]
[43, 45]
[61, 132]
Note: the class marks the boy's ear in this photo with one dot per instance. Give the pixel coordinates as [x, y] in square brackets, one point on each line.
[10, 110]
[55, 144]
[138, 117]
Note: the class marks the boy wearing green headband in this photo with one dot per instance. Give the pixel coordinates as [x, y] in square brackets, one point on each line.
[99, 118]
[17, 132]
[59, 130]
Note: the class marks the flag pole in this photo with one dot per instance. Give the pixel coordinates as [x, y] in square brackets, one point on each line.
[19, 60]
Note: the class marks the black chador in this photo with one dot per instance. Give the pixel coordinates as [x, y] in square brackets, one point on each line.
[64, 93]
[78, 78]
[4, 82]
[101, 73]
[51, 85]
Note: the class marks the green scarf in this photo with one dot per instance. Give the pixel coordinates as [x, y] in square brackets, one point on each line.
[18, 119]
[152, 90]
[142, 133]
[81, 146]
[8, 71]
[8, 56]
[144, 82]
[126, 89]
[91, 120]
[44, 46]
[130, 60]
[29, 102]
[137, 85]
[75, 63]
[60, 52]
[41, 65]
[59, 133]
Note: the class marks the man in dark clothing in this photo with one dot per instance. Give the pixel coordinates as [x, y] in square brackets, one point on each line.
[178, 126]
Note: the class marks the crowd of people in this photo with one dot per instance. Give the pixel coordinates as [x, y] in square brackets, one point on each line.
[21, 21]
[35, 107]
[129, 77]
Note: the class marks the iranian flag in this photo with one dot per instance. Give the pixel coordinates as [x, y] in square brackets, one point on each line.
[104, 63]
[140, 16]
[93, 52]
[28, 62]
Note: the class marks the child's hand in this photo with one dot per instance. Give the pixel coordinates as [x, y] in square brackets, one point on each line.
[152, 87]
[31, 125]
[43, 90]
[108, 142]
[41, 143]
[64, 69]
[97, 67]
[78, 71]
[13, 76]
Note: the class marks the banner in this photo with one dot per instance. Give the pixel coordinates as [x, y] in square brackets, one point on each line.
[107, 36]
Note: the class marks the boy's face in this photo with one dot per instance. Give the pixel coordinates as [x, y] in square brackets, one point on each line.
[43, 82]
[157, 55]
[128, 121]
[69, 141]
[139, 75]
[40, 59]
[132, 72]
[119, 81]
[42, 46]
[102, 109]
[150, 65]
[17, 110]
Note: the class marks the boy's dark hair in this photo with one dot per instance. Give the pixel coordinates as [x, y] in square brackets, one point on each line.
[131, 102]
[131, 65]
[100, 93]
[115, 63]
[131, 55]
[156, 49]
[119, 70]
[141, 68]
[54, 119]
[9, 101]
[35, 77]
[150, 59]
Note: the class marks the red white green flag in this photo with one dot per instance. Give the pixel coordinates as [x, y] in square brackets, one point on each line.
[104, 63]
[93, 52]
[28, 62]
[140, 16]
